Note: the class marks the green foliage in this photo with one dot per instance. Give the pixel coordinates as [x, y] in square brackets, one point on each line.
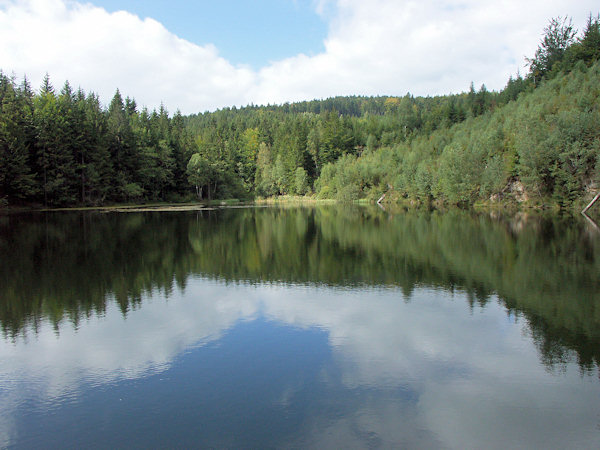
[493, 176]
[547, 138]
[16, 124]
[301, 186]
[558, 37]
[325, 186]
[66, 149]
[460, 173]
[132, 191]
[265, 182]
[587, 48]
[424, 180]
[198, 173]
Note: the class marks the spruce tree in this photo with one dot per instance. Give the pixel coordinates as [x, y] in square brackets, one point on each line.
[16, 179]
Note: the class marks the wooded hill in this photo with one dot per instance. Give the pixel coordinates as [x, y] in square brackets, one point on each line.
[537, 140]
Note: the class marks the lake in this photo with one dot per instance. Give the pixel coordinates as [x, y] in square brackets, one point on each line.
[301, 327]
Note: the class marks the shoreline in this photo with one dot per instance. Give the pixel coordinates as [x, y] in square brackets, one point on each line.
[288, 200]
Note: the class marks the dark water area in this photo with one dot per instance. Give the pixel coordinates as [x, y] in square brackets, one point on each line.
[308, 327]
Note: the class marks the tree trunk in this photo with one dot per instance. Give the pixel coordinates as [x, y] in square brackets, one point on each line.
[82, 179]
[45, 188]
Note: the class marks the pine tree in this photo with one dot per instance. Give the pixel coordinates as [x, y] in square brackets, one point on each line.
[123, 151]
[587, 48]
[98, 171]
[16, 179]
[558, 36]
[55, 166]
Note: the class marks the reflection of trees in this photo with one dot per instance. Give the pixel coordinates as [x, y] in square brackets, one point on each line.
[66, 266]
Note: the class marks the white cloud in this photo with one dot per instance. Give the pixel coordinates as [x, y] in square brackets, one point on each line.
[103, 52]
[425, 47]
[376, 47]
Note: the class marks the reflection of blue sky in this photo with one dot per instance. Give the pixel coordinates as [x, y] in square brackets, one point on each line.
[324, 367]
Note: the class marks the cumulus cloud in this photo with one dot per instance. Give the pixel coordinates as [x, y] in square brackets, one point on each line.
[425, 47]
[101, 52]
[372, 48]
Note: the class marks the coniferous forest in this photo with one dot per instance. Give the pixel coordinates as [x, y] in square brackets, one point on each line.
[537, 141]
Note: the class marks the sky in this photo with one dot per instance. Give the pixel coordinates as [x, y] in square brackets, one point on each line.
[199, 56]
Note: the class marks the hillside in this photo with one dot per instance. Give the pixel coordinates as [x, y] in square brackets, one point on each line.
[535, 142]
[542, 148]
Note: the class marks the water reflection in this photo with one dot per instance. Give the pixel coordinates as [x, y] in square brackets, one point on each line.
[65, 267]
[308, 327]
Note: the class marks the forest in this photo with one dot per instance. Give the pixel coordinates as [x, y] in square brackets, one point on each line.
[535, 142]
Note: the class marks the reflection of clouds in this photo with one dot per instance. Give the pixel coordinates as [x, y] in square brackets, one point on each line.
[382, 340]
[380, 422]
[107, 348]
[7, 425]
[412, 374]
[504, 413]
[475, 376]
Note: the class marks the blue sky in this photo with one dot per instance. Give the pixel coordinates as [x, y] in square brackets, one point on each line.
[200, 56]
[245, 32]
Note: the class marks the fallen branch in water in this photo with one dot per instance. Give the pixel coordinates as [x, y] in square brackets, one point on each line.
[591, 203]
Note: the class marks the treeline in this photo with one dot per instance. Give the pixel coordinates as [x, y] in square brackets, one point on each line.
[276, 150]
[535, 140]
[543, 147]
[66, 148]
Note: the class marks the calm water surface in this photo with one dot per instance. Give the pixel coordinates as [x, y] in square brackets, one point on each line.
[330, 327]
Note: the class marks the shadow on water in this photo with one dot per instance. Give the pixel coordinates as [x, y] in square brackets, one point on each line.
[64, 267]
